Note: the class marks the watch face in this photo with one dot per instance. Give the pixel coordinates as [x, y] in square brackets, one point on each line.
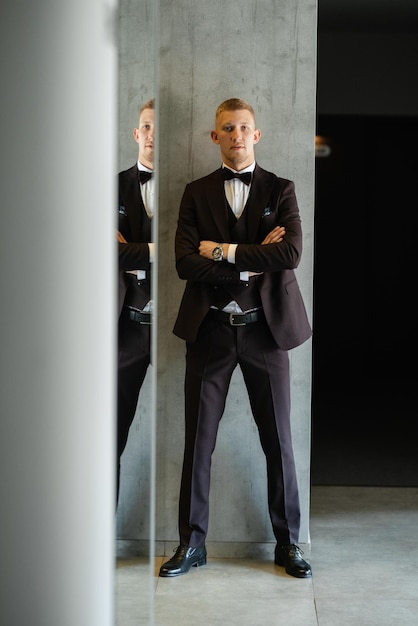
[217, 253]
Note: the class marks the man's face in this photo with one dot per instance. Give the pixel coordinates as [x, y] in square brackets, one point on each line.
[236, 135]
[144, 137]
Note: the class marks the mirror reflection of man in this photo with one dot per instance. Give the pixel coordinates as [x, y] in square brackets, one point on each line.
[135, 254]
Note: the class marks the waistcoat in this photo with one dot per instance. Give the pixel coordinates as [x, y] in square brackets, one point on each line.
[138, 293]
[246, 294]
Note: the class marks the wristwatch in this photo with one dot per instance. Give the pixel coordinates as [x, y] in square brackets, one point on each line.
[217, 253]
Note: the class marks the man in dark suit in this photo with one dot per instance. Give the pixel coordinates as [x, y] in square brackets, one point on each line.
[238, 242]
[136, 203]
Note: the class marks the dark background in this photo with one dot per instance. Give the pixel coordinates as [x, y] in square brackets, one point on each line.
[364, 413]
[365, 428]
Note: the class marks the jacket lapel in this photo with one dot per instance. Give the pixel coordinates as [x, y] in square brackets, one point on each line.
[260, 192]
[217, 203]
[135, 205]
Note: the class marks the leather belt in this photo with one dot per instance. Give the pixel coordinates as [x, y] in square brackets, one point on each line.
[138, 316]
[238, 319]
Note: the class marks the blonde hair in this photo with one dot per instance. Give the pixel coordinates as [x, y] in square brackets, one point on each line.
[149, 104]
[234, 104]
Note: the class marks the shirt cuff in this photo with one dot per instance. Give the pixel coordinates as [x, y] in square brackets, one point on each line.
[243, 276]
[231, 252]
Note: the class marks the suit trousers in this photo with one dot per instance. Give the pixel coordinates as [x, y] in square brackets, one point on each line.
[210, 362]
[133, 362]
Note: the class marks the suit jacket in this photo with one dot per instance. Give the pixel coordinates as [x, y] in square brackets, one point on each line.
[135, 226]
[203, 215]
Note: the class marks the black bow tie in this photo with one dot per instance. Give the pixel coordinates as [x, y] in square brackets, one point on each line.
[229, 175]
[144, 177]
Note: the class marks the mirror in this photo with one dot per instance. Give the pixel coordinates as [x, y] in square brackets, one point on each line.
[134, 511]
[194, 75]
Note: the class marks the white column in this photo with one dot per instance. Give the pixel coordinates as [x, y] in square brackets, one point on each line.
[58, 90]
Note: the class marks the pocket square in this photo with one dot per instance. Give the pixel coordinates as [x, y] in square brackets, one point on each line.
[122, 211]
[266, 212]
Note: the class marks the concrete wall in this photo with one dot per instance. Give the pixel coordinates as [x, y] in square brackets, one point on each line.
[264, 52]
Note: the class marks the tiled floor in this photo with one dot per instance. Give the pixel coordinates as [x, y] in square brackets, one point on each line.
[364, 554]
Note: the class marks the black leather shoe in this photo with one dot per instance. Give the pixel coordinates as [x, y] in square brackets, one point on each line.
[290, 555]
[184, 558]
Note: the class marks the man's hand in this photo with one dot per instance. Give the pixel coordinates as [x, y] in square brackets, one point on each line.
[206, 247]
[275, 236]
[121, 238]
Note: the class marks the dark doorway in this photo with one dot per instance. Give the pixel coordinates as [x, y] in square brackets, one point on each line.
[365, 416]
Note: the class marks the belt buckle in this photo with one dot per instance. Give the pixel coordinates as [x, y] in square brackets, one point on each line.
[231, 319]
